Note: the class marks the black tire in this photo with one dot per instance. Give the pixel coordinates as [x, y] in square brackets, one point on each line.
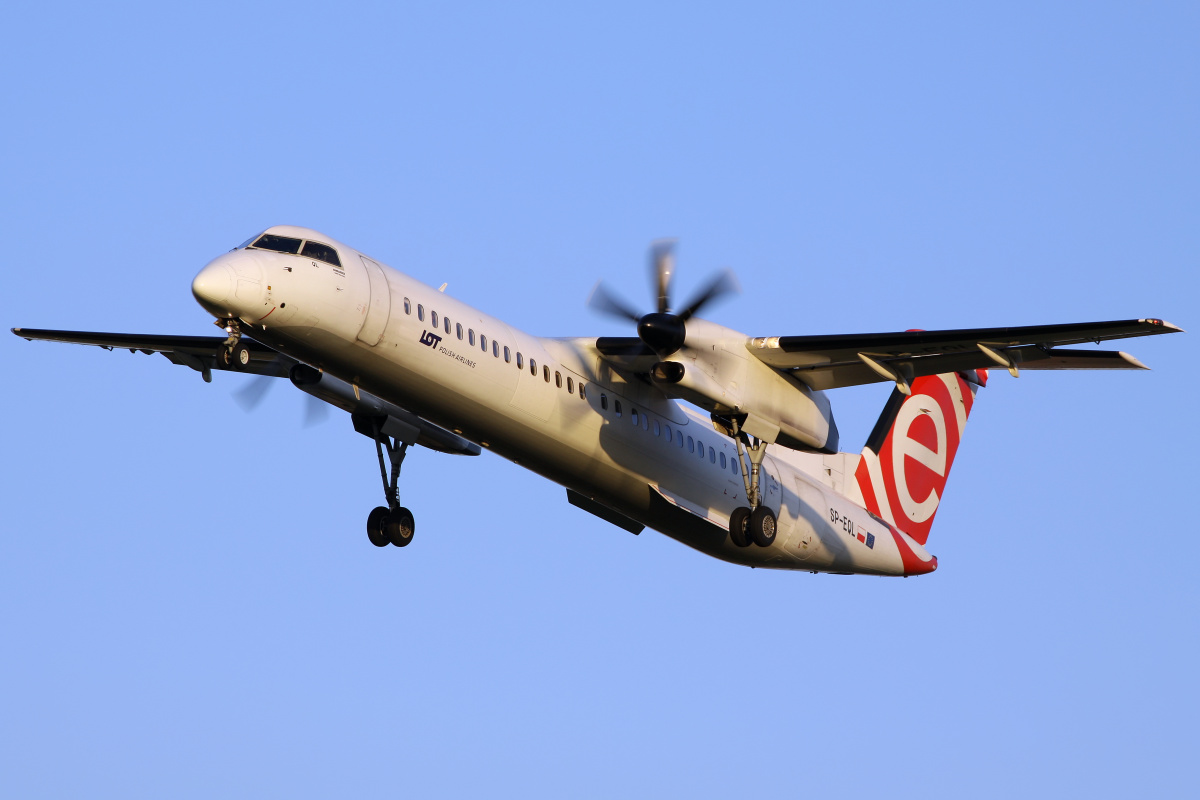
[239, 357]
[400, 527]
[223, 359]
[762, 526]
[375, 532]
[737, 527]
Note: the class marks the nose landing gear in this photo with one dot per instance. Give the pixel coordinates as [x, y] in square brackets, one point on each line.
[394, 524]
[233, 353]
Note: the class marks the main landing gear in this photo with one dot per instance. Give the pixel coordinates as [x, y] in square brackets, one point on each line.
[393, 524]
[756, 524]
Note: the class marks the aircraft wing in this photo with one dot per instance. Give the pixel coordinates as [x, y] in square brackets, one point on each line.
[832, 361]
[200, 353]
[197, 352]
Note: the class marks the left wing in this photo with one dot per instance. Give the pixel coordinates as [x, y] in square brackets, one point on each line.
[197, 352]
[832, 361]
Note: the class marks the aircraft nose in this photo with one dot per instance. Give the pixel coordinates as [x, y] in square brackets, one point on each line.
[213, 289]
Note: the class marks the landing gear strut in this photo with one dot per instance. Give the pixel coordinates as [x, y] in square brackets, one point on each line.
[234, 352]
[393, 524]
[756, 524]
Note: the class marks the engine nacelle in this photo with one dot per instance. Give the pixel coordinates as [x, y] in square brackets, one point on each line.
[393, 420]
[714, 371]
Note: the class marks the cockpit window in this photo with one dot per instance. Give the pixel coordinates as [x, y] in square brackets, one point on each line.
[280, 244]
[321, 252]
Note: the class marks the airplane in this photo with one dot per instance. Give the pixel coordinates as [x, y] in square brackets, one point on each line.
[722, 441]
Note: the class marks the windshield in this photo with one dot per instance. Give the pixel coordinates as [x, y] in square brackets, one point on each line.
[286, 244]
[321, 252]
[280, 244]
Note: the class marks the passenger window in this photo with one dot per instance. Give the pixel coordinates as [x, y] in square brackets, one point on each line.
[520, 360]
[457, 329]
[280, 244]
[546, 373]
[645, 422]
[617, 407]
[533, 367]
[321, 252]
[483, 342]
[471, 338]
[496, 350]
[507, 359]
[582, 392]
[604, 401]
[433, 318]
[712, 456]
[722, 461]
[558, 379]
[446, 321]
[691, 445]
[679, 438]
[420, 312]
[633, 416]
[733, 462]
[657, 430]
[407, 306]
[700, 448]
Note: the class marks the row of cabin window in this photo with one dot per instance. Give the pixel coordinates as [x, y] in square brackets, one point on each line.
[664, 430]
[496, 348]
[693, 446]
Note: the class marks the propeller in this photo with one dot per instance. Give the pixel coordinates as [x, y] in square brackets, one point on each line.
[250, 396]
[664, 331]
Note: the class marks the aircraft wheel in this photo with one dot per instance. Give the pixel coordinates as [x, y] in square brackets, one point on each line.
[737, 527]
[239, 357]
[375, 531]
[400, 527]
[762, 526]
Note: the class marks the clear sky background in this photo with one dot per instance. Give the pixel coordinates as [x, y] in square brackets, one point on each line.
[188, 602]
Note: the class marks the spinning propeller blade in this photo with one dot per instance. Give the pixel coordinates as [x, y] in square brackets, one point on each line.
[724, 283]
[662, 266]
[663, 331]
[250, 397]
[602, 300]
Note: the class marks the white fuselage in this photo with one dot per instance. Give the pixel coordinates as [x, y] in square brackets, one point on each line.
[654, 460]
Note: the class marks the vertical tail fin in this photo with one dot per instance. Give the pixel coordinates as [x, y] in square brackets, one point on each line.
[904, 465]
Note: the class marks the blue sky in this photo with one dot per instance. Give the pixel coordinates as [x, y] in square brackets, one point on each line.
[188, 603]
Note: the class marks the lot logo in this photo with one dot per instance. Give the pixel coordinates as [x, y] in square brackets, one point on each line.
[430, 339]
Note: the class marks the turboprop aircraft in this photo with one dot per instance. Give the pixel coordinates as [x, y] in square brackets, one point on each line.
[723, 441]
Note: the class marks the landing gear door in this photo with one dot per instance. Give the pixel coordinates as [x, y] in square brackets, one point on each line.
[380, 306]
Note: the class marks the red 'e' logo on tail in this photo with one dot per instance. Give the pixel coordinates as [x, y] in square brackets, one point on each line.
[903, 483]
